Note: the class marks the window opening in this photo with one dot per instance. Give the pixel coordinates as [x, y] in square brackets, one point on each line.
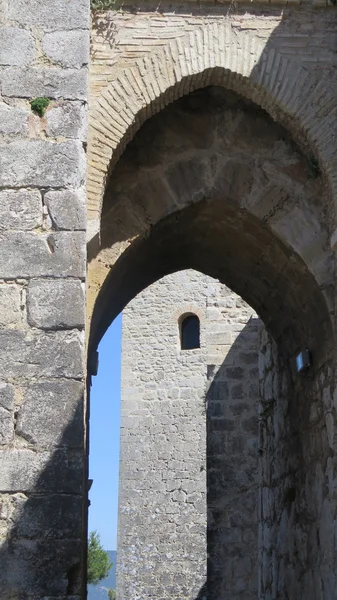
[190, 332]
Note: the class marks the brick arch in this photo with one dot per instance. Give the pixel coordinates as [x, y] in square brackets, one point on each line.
[213, 55]
[185, 309]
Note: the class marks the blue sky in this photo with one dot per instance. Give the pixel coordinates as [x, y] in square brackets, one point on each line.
[104, 437]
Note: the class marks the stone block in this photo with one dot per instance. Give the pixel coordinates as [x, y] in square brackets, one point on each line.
[67, 209]
[20, 209]
[55, 304]
[29, 471]
[35, 353]
[6, 395]
[17, 47]
[40, 568]
[67, 48]
[57, 516]
[219, 337]
[6, 426]
[52, 414]
[250, 425]
[42, 164]
[60, 254]
[13, 121]
[50, 15]
[10, 302]
[234, 373]
[52, 82]
[68, 120]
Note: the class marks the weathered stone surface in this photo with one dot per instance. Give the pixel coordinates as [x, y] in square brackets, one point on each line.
[27, 567]
[6, 426]
[41, 537]
[55, 82]
[6, 395]
[66, 209]
[52, 414]
[20, 209]
[33, 353]
[67, 48]
[50, 15]
[68, 120]
[59, 254]
[10, 302]
[13, 121]
[42, 163]
[54, 471]
[55, 304]
[57, 516]
[17, 47]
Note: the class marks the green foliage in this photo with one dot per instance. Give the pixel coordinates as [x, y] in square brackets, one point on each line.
[111, 594]
[105, 4]
[39, 106]
[313, 167]
[99, 563]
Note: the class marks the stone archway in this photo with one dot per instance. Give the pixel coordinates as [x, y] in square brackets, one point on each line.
[192, 190]
[276, 187]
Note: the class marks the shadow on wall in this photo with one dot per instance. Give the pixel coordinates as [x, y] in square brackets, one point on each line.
[203, 593]
[232, 470]
[42, 554]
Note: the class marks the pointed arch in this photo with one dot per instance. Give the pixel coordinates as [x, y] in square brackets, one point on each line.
[212, 55]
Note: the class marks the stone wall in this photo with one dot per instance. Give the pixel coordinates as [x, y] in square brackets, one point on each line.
[297, 505]
[189, 424]
[44, 52]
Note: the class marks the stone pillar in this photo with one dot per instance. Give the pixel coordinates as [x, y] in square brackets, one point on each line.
[44, 48]
[189, 421]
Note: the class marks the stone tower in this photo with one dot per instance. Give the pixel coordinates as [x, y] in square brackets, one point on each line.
[188, 471]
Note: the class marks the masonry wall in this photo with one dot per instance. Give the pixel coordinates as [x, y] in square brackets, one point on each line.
[303, 30]
[188, 470]
[44, 52]
[296, 496]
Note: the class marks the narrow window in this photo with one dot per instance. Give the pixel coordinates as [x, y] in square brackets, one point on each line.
[190, 332]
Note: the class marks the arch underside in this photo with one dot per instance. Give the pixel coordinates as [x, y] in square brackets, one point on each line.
[213, 183]
[227, 244]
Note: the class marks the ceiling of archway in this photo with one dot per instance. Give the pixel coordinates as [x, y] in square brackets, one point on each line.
[239, 201]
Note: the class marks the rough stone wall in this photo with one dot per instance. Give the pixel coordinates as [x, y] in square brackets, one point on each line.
[189, 422]
[297, 504]
[44, 49]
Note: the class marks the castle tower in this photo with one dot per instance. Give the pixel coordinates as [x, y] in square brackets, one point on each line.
[188, 425]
